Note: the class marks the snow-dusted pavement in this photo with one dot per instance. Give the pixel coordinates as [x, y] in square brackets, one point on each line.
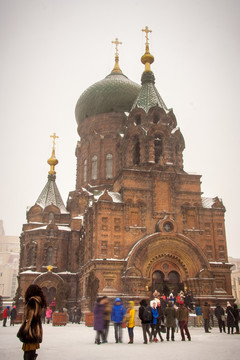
[73, 342]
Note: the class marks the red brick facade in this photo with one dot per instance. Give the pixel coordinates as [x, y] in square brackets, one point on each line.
[136, 221]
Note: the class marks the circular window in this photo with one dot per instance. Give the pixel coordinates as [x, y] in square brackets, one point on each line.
[168, 226]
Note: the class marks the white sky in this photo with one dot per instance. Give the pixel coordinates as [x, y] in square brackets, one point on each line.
[52, 50]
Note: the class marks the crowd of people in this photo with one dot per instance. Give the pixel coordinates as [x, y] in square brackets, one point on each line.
[162, 315]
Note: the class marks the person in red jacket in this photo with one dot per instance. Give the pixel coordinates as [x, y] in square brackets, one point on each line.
[5, 315]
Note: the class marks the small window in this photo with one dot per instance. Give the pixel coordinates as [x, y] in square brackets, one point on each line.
[49, 255]
[31, 257]
[157, 149]
[85, 170]
[209, 251]
[155, 118]
[219, 229]
[221, 252]
[138, 119]
[51, 216]
[94, 167]
[109, 166]
[136, 151]
[207, 229]
[117, 248]
[51, 232]
[104, 248]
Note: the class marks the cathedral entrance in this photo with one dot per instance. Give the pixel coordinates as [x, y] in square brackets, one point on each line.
[165, 284]
[50, 294]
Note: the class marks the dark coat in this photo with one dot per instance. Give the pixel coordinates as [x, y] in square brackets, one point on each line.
[170, 315]
[160, 318]
[13, 314]
[219, 311]
[143, 305]
[236, 313]
[98, 316]
[230, 317]
[182, 313]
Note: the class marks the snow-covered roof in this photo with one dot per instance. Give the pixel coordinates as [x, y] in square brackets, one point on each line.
[116, 197]
[60, 228]
[207, 202]
[50, 195]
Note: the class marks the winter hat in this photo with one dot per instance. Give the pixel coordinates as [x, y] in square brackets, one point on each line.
[131, 303]
[153, 302]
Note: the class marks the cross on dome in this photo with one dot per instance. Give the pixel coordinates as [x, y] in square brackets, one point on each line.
[116, 42]
[54, 136]
[116, 68]
[147, 31]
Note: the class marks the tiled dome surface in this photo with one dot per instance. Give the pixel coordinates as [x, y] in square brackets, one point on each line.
[115, 93]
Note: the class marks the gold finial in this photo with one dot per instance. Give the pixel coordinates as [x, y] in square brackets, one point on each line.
[116, 66]
[147, 58]
[53, 161]
[49, 267]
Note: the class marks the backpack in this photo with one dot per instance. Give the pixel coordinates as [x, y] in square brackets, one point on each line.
[147, 314]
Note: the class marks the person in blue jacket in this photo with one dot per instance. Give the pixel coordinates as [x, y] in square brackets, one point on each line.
[155, 315]
[117, 316]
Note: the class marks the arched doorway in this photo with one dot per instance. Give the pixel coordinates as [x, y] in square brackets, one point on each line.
[165, 285]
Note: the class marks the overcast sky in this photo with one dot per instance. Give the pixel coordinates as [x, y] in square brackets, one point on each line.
[52, 50]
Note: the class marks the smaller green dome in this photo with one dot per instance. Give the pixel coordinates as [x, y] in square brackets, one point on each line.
[115, 93]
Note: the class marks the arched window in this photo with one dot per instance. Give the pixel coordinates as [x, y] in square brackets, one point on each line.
[109, 166]
[94, 167]
[51, 216]
[49, 255]
[51, 232]
[138, 119]
[157, 149]
[136, 151]
[155, 118]
[85, 170]
[31, 256]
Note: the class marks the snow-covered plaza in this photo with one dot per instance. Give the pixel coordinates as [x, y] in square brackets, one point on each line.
[73, 342]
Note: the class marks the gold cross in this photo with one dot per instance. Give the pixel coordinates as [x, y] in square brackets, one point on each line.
[49, 267]
[146, 30]
[116, 42]
[54, 136]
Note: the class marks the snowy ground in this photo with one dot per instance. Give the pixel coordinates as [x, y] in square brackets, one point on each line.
[73, 342]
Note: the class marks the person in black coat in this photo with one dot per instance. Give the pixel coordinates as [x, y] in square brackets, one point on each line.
[230, 318]
[220, 315]
[145, 323]
[236, 315]
[13, 315]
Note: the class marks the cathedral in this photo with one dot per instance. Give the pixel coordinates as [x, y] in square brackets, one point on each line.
[136, 221]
